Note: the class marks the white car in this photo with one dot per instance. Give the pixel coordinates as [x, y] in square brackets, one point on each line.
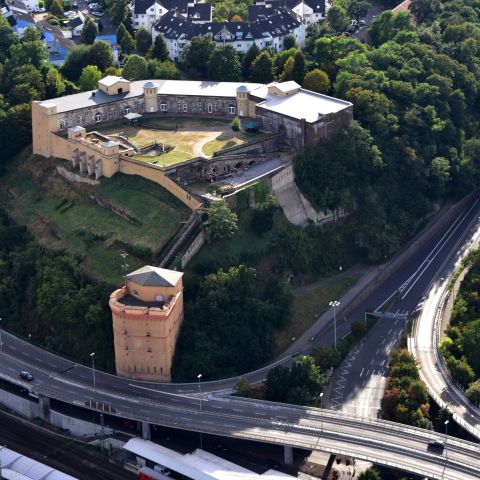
[70, 14]
[98, 14]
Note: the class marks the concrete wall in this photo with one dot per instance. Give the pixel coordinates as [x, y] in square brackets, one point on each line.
[130, 166]
[77, 427]
[21, 406]
[194, 247]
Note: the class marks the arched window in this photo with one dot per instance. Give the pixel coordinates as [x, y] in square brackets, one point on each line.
[98, 117]
[61, 125]
[127, 110]
[163, 106]
[231, 109]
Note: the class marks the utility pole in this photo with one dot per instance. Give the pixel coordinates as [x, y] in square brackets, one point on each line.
[199, 376]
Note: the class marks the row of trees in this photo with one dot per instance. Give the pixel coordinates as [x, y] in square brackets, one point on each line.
[25, 76]
[406, 399]
[461, 346]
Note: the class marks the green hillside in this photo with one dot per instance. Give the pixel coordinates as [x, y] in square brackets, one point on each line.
[95, 222]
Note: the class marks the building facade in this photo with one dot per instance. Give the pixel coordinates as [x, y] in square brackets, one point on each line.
[60, 126]
[270, 31]
[147, 314]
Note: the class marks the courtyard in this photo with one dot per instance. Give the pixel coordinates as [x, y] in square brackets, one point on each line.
[182, 138]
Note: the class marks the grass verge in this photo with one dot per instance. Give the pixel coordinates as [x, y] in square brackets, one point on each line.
[307, 304]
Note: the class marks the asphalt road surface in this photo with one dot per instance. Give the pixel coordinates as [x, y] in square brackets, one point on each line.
[359, 383]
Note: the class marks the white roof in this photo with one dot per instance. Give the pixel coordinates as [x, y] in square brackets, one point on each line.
[303, 104]
[18, 467]
[200, 465]
[110, 80]
[286, 86]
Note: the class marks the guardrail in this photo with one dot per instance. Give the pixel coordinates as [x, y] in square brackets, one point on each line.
[440, 363]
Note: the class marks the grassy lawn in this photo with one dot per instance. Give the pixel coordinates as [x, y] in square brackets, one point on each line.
[224, 140]
[96, 223]
[307, 304]
[191, 137]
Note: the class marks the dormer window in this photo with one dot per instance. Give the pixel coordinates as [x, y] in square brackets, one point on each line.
[148, 334]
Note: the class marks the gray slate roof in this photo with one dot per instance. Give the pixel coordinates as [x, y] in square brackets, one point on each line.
[155, 277]
[173, 26]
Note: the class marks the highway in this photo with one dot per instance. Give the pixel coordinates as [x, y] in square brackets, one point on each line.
[382, 442]
[424, 346]
[359, 383]
[194, 407]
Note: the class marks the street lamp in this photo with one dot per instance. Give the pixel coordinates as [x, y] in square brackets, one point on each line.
[335, 304]
[446, 422]
[321, 400]
[92, 356]
[199, 376]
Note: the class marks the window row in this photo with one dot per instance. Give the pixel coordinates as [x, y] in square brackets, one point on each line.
[196, 107]
[98, 117]
[142, 369]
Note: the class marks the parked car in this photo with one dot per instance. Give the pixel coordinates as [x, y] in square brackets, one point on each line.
[26, 376]
[75, 6]
[98, 14]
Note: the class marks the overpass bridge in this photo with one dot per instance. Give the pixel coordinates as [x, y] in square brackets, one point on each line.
[185, 407]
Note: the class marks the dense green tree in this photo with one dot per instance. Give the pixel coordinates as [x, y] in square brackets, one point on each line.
[317, 80]
[337, 18]
[28, 53]
[165, 70]
[221, 220]
[262, 68]
[121, 31]
[127, 43]
[357, 9]
[54, 83]
[287, 73]
[236, 124]
[248, 59]
[159, 50]
[220, 336]
[77, 59]
[136, 68]
[89, 78]
[461, 371]
[370, 474]
[224, 64]
[262, 215]
[298, 71]
[143, 40]
[473, 393]
[118, 10]
[301, 384]
[57, 8]
[89, 31]
[7, 38]
[101, 55]
[196, 56]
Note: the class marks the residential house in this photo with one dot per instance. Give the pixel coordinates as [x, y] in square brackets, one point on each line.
[265, 32]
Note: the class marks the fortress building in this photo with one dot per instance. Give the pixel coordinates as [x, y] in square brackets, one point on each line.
[147, 314]
[59, 125]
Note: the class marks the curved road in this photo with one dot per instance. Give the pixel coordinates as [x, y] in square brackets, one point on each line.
[424, 345]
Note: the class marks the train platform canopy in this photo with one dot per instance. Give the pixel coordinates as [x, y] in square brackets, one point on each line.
[199, 465]
[14, 466]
